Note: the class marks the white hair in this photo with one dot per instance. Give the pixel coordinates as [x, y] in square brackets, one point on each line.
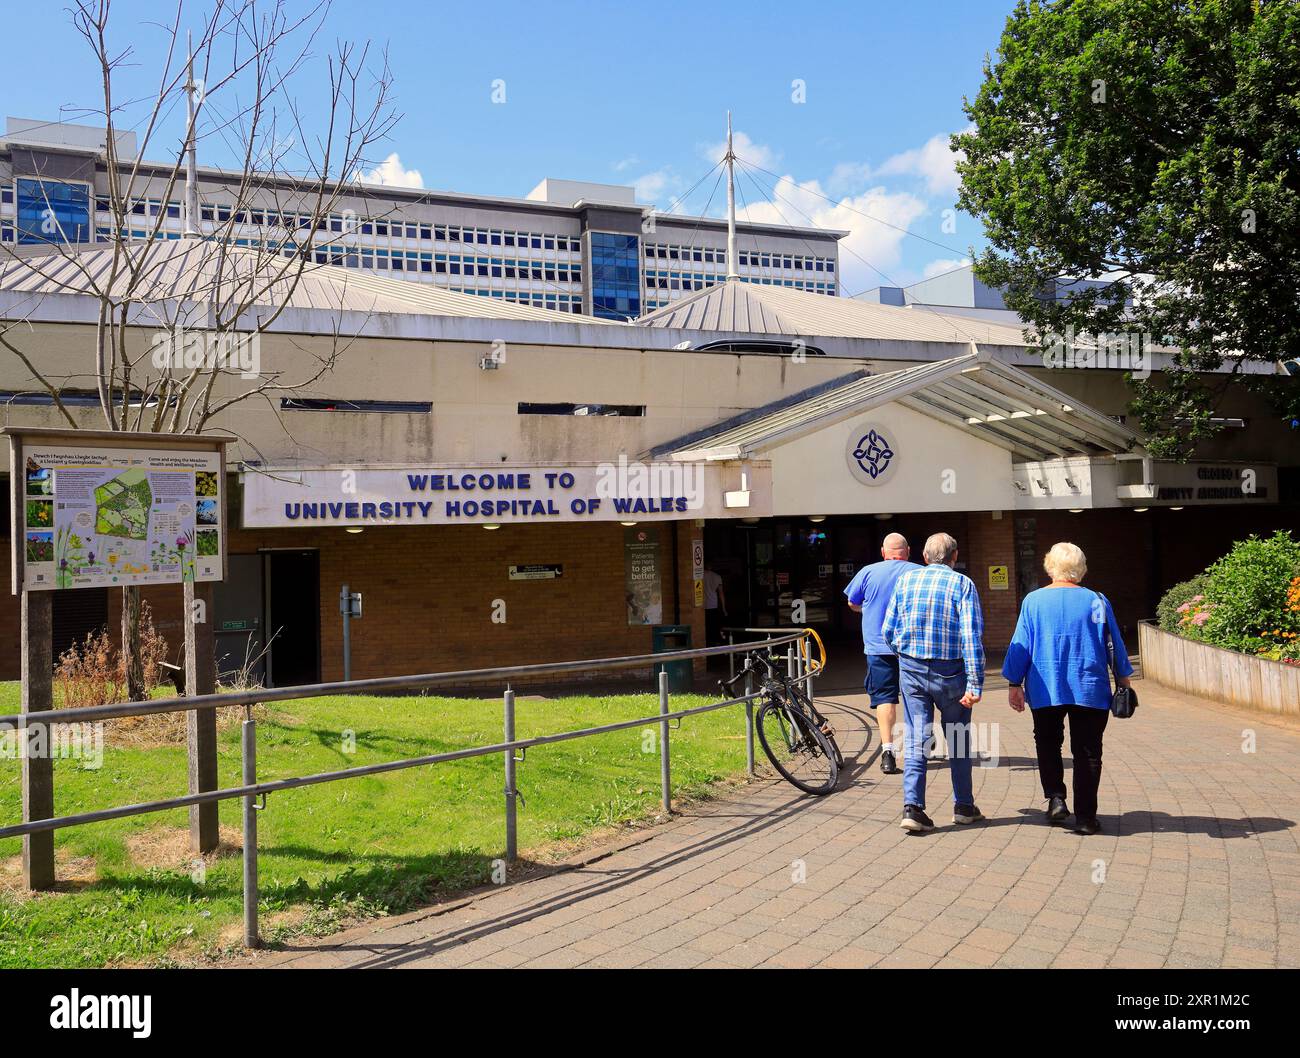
[939, 548]
[1066, 561]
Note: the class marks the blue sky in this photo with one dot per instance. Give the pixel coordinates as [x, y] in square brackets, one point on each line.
[633, 94]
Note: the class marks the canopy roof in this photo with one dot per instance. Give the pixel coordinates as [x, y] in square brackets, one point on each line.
[994, 401]
[750, 308]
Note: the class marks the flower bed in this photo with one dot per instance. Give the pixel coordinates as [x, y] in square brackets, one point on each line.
[1248, 601]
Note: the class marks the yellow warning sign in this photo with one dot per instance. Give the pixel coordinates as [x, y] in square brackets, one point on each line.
[999, 579]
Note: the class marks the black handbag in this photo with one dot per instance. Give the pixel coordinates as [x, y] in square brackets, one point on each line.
[1123, 700]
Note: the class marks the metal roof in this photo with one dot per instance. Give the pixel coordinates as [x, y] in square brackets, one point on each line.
[751, 308]
[996, 402]
[181, 271]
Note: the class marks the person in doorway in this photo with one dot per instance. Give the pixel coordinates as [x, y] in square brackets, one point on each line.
[715, 606]
[1059, 661]
[935, 626]
[869, 593]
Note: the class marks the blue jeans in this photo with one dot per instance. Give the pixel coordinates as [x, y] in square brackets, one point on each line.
[929, 684]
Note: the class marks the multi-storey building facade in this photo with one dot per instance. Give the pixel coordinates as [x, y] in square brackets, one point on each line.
[568, 246]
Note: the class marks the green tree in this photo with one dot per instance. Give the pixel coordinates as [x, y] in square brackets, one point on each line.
[1156, 144]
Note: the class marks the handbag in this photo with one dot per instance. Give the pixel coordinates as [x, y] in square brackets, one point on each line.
[1123, 700]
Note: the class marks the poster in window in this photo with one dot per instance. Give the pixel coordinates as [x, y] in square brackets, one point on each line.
[643, 586]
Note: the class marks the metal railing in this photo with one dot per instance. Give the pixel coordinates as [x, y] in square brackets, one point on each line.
[251, 791]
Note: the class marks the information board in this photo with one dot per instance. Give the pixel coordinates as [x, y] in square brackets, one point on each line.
[96, 517]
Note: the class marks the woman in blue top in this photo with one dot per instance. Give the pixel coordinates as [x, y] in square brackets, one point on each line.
[1059, 661]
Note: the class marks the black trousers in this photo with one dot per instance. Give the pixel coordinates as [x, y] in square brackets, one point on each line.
[1086, 728]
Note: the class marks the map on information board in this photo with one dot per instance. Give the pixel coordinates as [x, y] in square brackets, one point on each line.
[96, 517]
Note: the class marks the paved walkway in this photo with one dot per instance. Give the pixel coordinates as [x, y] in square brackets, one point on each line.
[1199, 865]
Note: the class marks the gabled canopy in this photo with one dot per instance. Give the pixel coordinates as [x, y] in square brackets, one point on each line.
[996, 402]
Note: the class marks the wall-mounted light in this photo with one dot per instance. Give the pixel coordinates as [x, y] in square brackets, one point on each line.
[628, 524]
[491, 525]
[1076, 510]
[355, 530]
[883, 517]
[817, 517]
[1141, 510]
[1175, 508]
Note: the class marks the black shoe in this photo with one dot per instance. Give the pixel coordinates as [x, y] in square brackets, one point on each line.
[887, 763]
[1087, 827]
[963, 815]
[915, 821]
[1057, 811]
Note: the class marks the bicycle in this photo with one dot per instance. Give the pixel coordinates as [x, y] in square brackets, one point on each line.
[797, 739]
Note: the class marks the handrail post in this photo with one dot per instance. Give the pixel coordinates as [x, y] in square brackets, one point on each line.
[790, 669]
[731, 656]
[749, 723]
[665, 777]
[512, 835]
[249, 743]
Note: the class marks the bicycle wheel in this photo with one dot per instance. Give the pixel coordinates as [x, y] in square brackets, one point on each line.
[821, 721]
[796, 748]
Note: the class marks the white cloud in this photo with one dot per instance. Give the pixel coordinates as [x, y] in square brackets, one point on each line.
[944, 264]
[625, 163]
[658, 188]
[876, 220]
[747, 150]
[392, 172]
[933, 161]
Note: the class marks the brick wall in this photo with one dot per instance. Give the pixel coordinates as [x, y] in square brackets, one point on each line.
[429, 595]
[989, 541]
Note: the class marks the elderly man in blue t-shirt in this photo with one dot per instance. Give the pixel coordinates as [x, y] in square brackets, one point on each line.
[869, 593]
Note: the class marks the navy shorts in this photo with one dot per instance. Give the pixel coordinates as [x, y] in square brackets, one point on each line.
[882, 679]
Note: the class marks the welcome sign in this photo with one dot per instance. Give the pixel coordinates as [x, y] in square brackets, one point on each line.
[489, 494]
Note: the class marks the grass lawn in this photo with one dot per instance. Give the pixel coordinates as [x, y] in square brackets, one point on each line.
[129, 890]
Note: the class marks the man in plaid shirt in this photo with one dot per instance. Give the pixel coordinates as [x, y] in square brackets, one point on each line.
[935, 625]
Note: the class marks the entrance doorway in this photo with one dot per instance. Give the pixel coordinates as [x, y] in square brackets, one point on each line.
[769, 564]
[268, 617]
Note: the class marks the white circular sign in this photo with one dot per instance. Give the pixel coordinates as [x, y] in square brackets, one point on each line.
[871, 453]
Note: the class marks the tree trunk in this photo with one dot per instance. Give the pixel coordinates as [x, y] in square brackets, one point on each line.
[133, 669]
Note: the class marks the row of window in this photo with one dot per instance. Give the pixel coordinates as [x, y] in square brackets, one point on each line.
[668, 280]
[749, 259]
[545, 300]
[350, 224]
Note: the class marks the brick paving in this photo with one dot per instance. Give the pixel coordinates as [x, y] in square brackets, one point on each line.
[1198, 866]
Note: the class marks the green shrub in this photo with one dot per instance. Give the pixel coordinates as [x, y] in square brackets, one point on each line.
[1248, 594]
[1167, 613]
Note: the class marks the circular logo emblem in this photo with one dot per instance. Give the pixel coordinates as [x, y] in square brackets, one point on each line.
[871, 455]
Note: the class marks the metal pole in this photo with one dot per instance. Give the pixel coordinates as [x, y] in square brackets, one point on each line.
[731, 658]
[664, 766]
[749, 724]
[733, 273]
[345, 607]
[790, 669]
[512, 836]
[251, 938]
